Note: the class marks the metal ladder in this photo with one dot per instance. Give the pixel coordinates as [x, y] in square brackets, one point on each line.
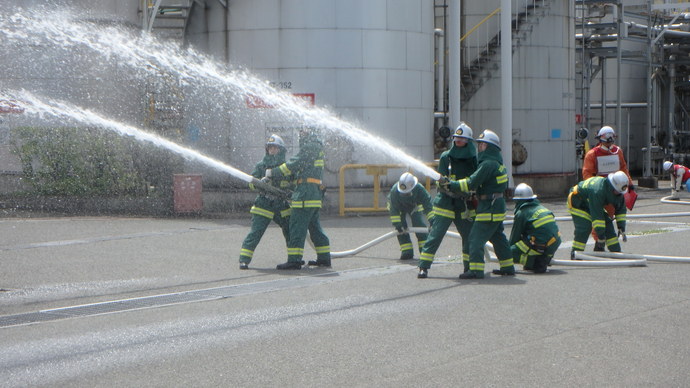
[168, 18]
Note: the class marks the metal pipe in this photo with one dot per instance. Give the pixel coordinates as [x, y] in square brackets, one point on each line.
[454, 63]
[440, 81]
[603, 92]
[507, 89]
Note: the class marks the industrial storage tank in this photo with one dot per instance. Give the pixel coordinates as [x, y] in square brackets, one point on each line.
[544, 94]
[370, 62]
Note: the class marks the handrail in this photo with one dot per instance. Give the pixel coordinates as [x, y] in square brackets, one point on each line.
[480, 23]
[376, 170]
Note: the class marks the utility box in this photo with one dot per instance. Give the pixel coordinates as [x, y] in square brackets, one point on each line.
[187, 193]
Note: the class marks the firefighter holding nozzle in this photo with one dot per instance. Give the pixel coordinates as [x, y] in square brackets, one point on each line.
[489, 182]
[408, 196]
[586, 203]
[534, 238]
[451, 207]
[267, 207]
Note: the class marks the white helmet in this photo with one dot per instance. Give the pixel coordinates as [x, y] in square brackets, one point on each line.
[276, 141]
[489, 136]
[406, 183]
[606, 133]
[523, 191]
[463, 130]
[619, 180]
[668, 165]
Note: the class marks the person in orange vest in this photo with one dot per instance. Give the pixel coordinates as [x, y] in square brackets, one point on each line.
[605, 158]
[679, 177]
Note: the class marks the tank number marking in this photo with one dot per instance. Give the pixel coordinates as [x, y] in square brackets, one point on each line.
[281, 85]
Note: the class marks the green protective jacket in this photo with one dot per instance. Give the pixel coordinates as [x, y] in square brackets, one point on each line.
[588, 198]
[533, 222]
[418, 200]
[264, 201]
[306, 168]
[456, 163]
[489, 179]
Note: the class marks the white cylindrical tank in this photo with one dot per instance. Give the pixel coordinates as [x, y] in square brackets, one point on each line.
[369, 61]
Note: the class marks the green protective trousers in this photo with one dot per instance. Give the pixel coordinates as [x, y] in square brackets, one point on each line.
[532, 260]
[404, 239]
[261, 218]
[303, 220]
[439, 227]
[492, 231]
[583, 229]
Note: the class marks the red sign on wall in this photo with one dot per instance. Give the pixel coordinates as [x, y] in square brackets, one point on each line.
[253, 101]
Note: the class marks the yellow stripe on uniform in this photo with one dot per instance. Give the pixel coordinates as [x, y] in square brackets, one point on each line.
[323, 249]
[261, 212]
[443, 212]
[425, 256]
[295, 251]
[543, 221]
[284, 169]
[580, 213]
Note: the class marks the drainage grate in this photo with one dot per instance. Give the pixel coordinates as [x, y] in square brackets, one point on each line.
[192, 296]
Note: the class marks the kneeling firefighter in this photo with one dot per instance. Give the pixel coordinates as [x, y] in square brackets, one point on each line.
[534, 238]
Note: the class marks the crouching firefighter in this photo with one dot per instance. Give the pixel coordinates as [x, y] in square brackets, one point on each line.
[586, 203]
[534, 238]
[267, 207]
[307, 169]
[408, 196]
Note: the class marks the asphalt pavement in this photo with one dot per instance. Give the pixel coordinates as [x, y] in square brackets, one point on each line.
[114, 301]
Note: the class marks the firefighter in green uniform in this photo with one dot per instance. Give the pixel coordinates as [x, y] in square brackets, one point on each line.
[408, 196]
[267, 207]
[307, 170]
[586, 203]
[489, 181]
[534, 238]
[452, 206]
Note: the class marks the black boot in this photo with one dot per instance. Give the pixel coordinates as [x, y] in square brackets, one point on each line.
[471, 275]
[320, 263]
[406, 255]
[599, 246]
[423, 273]
[290, 265]
[503, 272]
[244, 265]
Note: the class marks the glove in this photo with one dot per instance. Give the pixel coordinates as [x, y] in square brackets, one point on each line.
[622, 236]
[266, 180]
[269, 172]
[400, 229]
[444, 183]
[631, 187]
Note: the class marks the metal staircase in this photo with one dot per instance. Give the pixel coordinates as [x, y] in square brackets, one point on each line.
[168, 18]
[486, 63]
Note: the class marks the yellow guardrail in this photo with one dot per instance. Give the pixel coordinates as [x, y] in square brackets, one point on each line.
[376, 170]
[480, 23]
